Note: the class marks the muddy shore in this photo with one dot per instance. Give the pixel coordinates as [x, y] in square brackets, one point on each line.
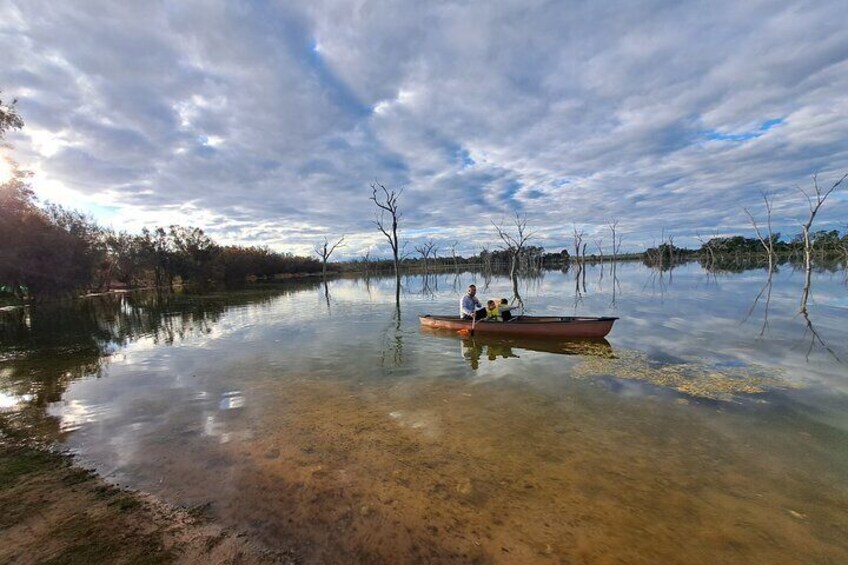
[57, 512]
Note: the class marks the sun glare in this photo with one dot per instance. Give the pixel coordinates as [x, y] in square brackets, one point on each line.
[6, 170]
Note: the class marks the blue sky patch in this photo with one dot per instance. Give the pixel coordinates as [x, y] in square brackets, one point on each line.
[719, 136]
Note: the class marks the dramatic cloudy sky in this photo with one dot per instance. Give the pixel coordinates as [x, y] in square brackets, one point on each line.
[264, 122]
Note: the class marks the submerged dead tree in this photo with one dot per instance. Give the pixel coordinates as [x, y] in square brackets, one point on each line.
[426, 250]
[387, 218]
[514, 240]
[325, 251]
[616, 247]
[579, 246]
[815, 200]
[453, 255]
[767, 241]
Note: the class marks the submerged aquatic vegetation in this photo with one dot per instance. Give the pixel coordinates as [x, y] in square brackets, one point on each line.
[695, 377]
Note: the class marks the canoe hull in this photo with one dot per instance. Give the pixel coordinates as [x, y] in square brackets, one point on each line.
[530, 326]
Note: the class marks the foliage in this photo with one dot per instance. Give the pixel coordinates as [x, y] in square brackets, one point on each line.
[52, 251]
[9, 118]
[824, 242]
[42, 251]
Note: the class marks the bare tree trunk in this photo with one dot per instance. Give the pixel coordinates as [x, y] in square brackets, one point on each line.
[324, 252]
[768, 244]
[814, 202]
[387, 202]
[514, 244]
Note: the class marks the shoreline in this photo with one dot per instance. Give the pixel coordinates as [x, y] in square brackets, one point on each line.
[58, 511]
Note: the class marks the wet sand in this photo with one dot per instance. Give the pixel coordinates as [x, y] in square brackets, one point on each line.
[56, 512]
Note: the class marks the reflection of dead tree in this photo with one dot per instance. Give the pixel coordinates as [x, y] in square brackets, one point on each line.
[327, 298]
[368, 287]
[455, 283]
[366, 260]
[616, 287]
[657, 280]
[391, 354]
[599, 243]
[425, 286]
[767, 241]
[578, 295]
[387, 203]
[815, 337]
[427, 249]
[325, 251]
[583, 267]
[814, 202]
[487, 280]
[766, 290]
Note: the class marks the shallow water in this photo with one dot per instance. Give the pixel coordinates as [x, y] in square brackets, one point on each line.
[332, 424]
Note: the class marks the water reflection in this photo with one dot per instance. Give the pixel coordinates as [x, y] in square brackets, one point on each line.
[47, 347]
[359, 437]
[493, 348]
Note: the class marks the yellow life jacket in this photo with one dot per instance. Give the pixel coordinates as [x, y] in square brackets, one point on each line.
[492, 314]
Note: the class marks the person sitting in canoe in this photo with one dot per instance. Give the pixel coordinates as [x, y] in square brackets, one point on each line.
[505, 310]
[470, 307]
[492, 313]
[498, 312]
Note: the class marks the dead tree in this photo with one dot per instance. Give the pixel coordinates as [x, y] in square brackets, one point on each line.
[427, 249]
[815, 200]
[387, 205]
[578, 241]
[705, 244]
[514, 242]
[766, 242]
[616, 247]
[599, 243]
[616, 239]
[366, 260]
[325, 251]
[453, 255]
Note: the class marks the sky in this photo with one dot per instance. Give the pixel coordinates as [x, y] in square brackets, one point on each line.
[265, 123]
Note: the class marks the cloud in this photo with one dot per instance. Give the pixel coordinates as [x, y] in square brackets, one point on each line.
[266, 122]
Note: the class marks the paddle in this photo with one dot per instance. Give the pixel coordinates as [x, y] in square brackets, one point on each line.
[465, 331]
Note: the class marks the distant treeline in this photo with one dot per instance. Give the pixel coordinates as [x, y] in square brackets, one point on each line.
[52, 251]
[826, 245]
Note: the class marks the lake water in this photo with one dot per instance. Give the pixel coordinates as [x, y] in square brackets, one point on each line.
[332, 424]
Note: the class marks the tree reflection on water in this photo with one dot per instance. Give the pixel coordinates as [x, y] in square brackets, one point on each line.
[44, 348]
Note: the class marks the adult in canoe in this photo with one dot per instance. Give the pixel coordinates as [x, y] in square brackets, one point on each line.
[470, 306]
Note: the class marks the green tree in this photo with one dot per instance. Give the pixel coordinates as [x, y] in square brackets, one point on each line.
[9, 117]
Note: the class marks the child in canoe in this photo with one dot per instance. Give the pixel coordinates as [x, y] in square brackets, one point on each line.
[492, 312]
[498, 312]
[505, 310]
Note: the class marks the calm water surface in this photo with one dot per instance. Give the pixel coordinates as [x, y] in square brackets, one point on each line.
[330, 423]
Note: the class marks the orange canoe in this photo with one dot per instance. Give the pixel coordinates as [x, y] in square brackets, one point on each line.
[531, 326]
